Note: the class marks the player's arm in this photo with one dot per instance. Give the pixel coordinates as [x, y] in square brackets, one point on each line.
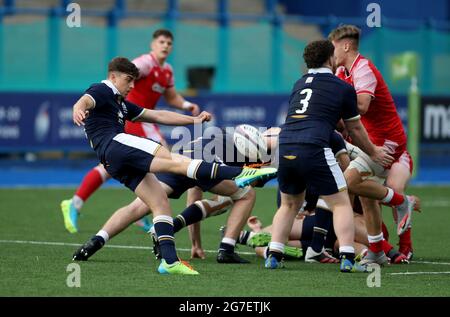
[364, 102]
[365, 83]
[357, 131]
[196, 241]
[342, 129]
[195, 194]
[174, 99]
[81, 109]
[171, 118]
[361, 139]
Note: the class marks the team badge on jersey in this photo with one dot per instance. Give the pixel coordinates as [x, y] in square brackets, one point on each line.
[158, 88]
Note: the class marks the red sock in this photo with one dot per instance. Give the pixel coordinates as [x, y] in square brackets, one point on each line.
[376, 247]
[91, 182]
[397, 199]
[386, 246]
[405, 238]
[392, 198]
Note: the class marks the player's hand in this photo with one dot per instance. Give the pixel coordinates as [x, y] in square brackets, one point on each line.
[382, 157]
[197, 252]
[204, 116]
[345, 134]
[194, 109]
[79, 116]
[302, 214]
[254, 223]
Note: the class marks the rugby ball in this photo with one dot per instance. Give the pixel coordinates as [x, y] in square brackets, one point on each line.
[249, 143]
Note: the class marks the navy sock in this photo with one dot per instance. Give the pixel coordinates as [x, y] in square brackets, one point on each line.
[322, 223]
[207, 171]
[164, 232]
[190, 215]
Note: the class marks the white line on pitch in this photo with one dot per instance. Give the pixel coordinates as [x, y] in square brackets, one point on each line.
[418, 273]
[436, 203]
[428, 262]
[148, 248]
[107, 245]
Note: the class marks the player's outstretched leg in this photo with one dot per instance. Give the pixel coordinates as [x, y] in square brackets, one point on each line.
[250, 175]
[89, 248]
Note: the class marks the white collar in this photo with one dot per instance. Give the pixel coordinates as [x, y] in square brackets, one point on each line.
[320, 70]
[108, 83]
[354, 61]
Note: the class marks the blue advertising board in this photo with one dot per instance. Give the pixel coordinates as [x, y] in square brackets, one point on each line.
[43, 121]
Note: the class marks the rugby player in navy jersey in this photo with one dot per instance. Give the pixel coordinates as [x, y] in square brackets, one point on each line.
[318, 235]
[221, 147]
[132, 160]
[318, 101]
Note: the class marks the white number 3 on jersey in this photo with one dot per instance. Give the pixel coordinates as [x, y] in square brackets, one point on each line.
[305, 101]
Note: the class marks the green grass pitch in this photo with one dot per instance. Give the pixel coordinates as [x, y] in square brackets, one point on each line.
[35, 251]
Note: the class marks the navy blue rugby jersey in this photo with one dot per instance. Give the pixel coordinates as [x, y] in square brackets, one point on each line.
[317, 102]
[107, 118]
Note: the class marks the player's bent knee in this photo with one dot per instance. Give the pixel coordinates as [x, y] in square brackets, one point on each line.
[291, 205]
[162, 152]
[102, 171]
[352, 177]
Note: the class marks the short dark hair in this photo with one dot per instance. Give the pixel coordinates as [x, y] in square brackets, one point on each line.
[123, 65]
[346, 31]
[317, 53]
[162, 32]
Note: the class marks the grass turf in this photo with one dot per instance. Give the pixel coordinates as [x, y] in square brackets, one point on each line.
[28, 269]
